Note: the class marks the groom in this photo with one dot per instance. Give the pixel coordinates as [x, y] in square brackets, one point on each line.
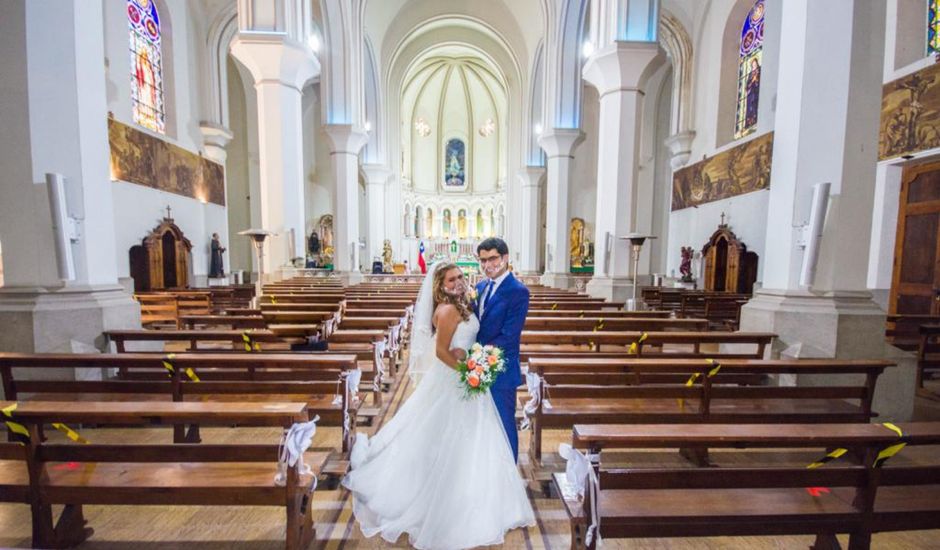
[502, 304]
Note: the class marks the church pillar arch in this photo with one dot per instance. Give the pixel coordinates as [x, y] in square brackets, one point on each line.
[376, 179]
[559, 145]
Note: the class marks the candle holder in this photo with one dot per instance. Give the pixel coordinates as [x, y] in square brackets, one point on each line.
[257, 239]
[636, 244]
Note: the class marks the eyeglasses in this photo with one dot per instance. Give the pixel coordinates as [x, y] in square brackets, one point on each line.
[490, 260]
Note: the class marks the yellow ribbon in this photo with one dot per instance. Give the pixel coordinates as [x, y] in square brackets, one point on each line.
[581, 314]
[14, 427]
[635, 346]
[70, 433]
[695, 376]
[249, 345]
[828, 458]
[188, 371]
[273, 300]
[598, 326]
[888, 452]
[554, 307]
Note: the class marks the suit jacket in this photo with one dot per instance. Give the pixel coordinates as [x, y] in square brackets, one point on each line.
[501, 325]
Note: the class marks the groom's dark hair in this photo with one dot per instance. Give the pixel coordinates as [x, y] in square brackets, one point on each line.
[494, 243]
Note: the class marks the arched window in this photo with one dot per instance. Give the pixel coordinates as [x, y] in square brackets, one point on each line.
[418, 220]
[146, 65]
[749, 67]
[933, 26]
[429, 223]
[480, 231]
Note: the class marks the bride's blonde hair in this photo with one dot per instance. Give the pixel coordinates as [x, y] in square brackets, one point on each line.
[441, 296]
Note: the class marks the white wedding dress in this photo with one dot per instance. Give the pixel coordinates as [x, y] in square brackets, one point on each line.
[441, 470]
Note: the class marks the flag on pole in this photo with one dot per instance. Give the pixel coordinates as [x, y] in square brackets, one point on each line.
[421, 263]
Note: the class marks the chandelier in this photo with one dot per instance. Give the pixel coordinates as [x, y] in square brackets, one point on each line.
[422, 127]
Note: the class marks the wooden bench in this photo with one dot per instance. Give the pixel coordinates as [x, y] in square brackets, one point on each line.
[597, 322]
[233, 322]
[159, 474]
[317, 380]
[607, 314]
[194, 337]
[560, 343]
[928, 358]
[842, 497]
[903, 330]
[646, 394]
[158, 310]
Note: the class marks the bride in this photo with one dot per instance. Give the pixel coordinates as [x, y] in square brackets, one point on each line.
[441, 470]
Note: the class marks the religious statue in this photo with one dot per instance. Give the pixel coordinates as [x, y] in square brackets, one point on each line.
[576, 242]
[387, 256]
[685, 266]
[215, 261]
[325, 226]
[313, 244]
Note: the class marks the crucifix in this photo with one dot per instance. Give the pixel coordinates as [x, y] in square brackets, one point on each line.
[722, 218]
[168, 212]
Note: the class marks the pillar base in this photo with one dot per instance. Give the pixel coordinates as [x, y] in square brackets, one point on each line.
[613, 289]
[839, 325]
[561, 281]
[37, 320]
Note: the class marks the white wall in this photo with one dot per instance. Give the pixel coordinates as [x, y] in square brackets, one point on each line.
[138, 209]
[582, 193]
[319, 185]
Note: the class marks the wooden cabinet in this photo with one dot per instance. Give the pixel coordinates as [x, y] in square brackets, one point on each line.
[162, 259]
[729, 267]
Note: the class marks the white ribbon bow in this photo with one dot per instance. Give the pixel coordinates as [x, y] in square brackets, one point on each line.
[534, 384]
[294, 443]
[580, 474]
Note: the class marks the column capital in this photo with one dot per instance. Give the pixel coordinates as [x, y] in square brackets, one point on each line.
[376, 174]
[531, 176]
[215, 139]
[561, 142]
[274, 58]
[346, 138]
[623, 66]
[680, 148]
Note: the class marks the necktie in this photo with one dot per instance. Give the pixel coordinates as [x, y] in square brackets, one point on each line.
[487, 295]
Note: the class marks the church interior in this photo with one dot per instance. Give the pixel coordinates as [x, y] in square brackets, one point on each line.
[216, 215]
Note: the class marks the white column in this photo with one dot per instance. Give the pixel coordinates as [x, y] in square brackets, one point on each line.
[559, 145]
[531, 179]
[620, 72]
[345, 143]
[376, 180]
[280, 68]
[54, 110]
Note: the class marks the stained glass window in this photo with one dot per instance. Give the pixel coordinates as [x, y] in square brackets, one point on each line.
[749, 66]
[933, 27]
[146, 65]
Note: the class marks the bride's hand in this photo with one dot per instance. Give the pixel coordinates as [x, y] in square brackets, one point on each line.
[459, 353]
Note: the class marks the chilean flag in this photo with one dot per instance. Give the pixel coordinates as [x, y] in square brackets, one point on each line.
[421, 264]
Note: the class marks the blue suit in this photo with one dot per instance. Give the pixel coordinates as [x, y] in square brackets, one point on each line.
[504, 315]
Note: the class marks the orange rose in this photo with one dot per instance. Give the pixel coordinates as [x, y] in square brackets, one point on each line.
[492, 359]
[471, 364]
[473, 380]
[478, 371]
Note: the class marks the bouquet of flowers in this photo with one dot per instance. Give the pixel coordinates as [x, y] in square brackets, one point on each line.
[479, 370]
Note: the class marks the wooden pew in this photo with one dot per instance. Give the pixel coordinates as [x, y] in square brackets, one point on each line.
[607, 313]
[233, 322]
[158, 310]
[317, 380]
[600, 322]
[647, 394]
[194, 337]
[160, 474]
[928, 358]
[903, 330]
[746, 501]
[559, 343]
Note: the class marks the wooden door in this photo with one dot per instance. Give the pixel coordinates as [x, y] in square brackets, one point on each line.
[915, 285]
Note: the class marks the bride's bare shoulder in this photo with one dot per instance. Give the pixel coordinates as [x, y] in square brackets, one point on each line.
[446, 310]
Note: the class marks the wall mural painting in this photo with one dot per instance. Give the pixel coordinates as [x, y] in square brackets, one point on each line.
[739, 170]
[138, 157]
[910, 114]
[455, 163]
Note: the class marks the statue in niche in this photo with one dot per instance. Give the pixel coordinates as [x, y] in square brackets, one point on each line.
[387, 266]
[326, 239]
[215, 260]
[685, 265]
[576, 242]
[313, 244]
[462, 224]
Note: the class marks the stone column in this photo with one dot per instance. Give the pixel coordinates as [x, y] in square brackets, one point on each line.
[55, 116]
[531, 179]
[376, 180]
[826, 130]
[559, 145]
[620, 72]
[280, 66]
[345, 143]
